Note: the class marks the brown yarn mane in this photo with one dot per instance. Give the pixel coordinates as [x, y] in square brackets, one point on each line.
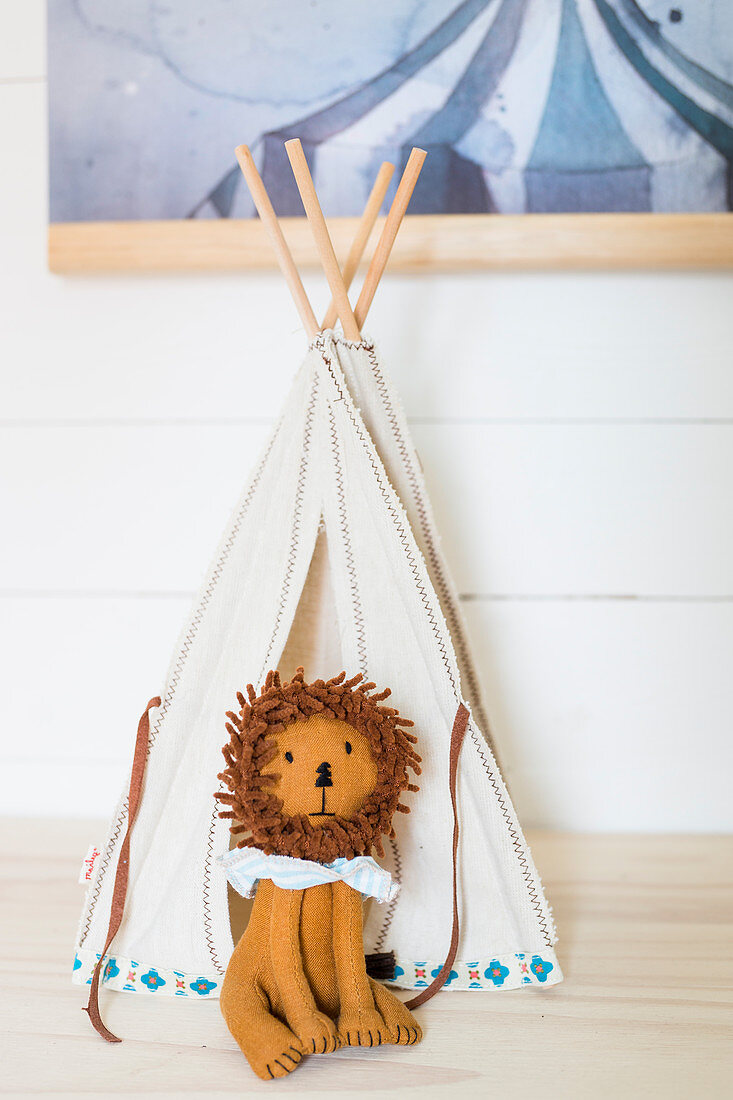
[258, 812]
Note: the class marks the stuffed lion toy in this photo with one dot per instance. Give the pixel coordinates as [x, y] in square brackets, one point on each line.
[315, 772]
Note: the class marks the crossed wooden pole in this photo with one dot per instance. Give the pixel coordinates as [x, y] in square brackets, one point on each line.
[352, 320]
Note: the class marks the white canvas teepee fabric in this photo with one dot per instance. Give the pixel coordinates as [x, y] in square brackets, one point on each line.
[323, 558]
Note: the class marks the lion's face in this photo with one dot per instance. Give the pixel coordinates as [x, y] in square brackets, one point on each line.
[323, 768]
[316, 770]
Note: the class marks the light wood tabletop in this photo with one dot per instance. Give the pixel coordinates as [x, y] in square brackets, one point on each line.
[645, 1010]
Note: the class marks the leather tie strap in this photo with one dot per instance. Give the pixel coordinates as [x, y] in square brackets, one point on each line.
[119, 892]
[460, 725]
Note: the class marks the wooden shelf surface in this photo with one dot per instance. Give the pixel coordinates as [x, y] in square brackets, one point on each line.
[646, 1009]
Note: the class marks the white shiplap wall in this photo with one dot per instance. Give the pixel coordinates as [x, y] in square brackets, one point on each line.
[577, 435]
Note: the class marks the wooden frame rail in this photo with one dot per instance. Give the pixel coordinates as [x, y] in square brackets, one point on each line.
[451, 242]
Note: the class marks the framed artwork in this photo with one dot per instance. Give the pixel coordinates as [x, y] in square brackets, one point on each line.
[559, 132]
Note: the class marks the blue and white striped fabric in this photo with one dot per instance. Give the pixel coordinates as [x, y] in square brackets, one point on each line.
[244, 867]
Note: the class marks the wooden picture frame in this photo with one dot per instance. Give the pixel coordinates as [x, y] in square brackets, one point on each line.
[577, 106]
[440, 242]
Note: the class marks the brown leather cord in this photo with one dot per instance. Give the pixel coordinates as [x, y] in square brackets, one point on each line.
[119, 892]
[458, 733]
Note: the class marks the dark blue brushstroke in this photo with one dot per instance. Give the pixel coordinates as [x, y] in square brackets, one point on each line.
[222, 197]
[716, 132]
[451, 183]
[709, 82]
[337, 117]
[478, 82]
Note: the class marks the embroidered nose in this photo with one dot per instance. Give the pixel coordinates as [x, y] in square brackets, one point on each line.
[323, 771]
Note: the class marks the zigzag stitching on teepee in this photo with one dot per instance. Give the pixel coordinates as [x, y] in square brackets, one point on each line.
[295, 530]
[519, 848]
[361, 639]
[360, 633]
[178, 668]
[397, 522]
[349, 554]
[455, 626]
[208, 934]
[209, 591]
[290, 565]
[513, 831]
[122, 814]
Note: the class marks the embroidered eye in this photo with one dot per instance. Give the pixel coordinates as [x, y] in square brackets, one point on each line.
[289, 757]
[348, 746]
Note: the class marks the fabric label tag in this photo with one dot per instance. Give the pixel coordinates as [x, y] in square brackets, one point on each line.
[90, 860]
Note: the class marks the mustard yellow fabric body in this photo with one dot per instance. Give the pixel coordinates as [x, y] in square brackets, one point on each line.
[297, 984]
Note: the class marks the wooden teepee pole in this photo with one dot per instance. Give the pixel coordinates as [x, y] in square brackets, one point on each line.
[387, 239]
[366, 224]
[269, 219]
[322, 238]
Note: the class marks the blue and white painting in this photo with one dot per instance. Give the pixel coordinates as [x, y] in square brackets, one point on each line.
[523, 105]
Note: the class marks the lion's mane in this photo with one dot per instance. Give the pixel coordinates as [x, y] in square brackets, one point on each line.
[257, 812]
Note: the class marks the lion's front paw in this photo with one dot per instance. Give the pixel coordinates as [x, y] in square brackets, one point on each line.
[368, 1029]
[401, 1026]
[405, 1034]
[318, 1034]
[277, 1063]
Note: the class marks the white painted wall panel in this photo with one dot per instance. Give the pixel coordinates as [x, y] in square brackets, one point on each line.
[564, 345]
[78, 674]
[22, 39]
[609, 715]
[523, 509]
[119, 508]
[584, 509]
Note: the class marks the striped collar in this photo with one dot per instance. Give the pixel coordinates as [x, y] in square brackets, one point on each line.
[244, 867]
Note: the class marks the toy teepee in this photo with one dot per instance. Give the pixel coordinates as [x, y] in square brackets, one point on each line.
[330, 560]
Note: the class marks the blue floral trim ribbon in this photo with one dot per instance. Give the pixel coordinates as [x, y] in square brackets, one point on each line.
[539, 969]
[131, 976]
